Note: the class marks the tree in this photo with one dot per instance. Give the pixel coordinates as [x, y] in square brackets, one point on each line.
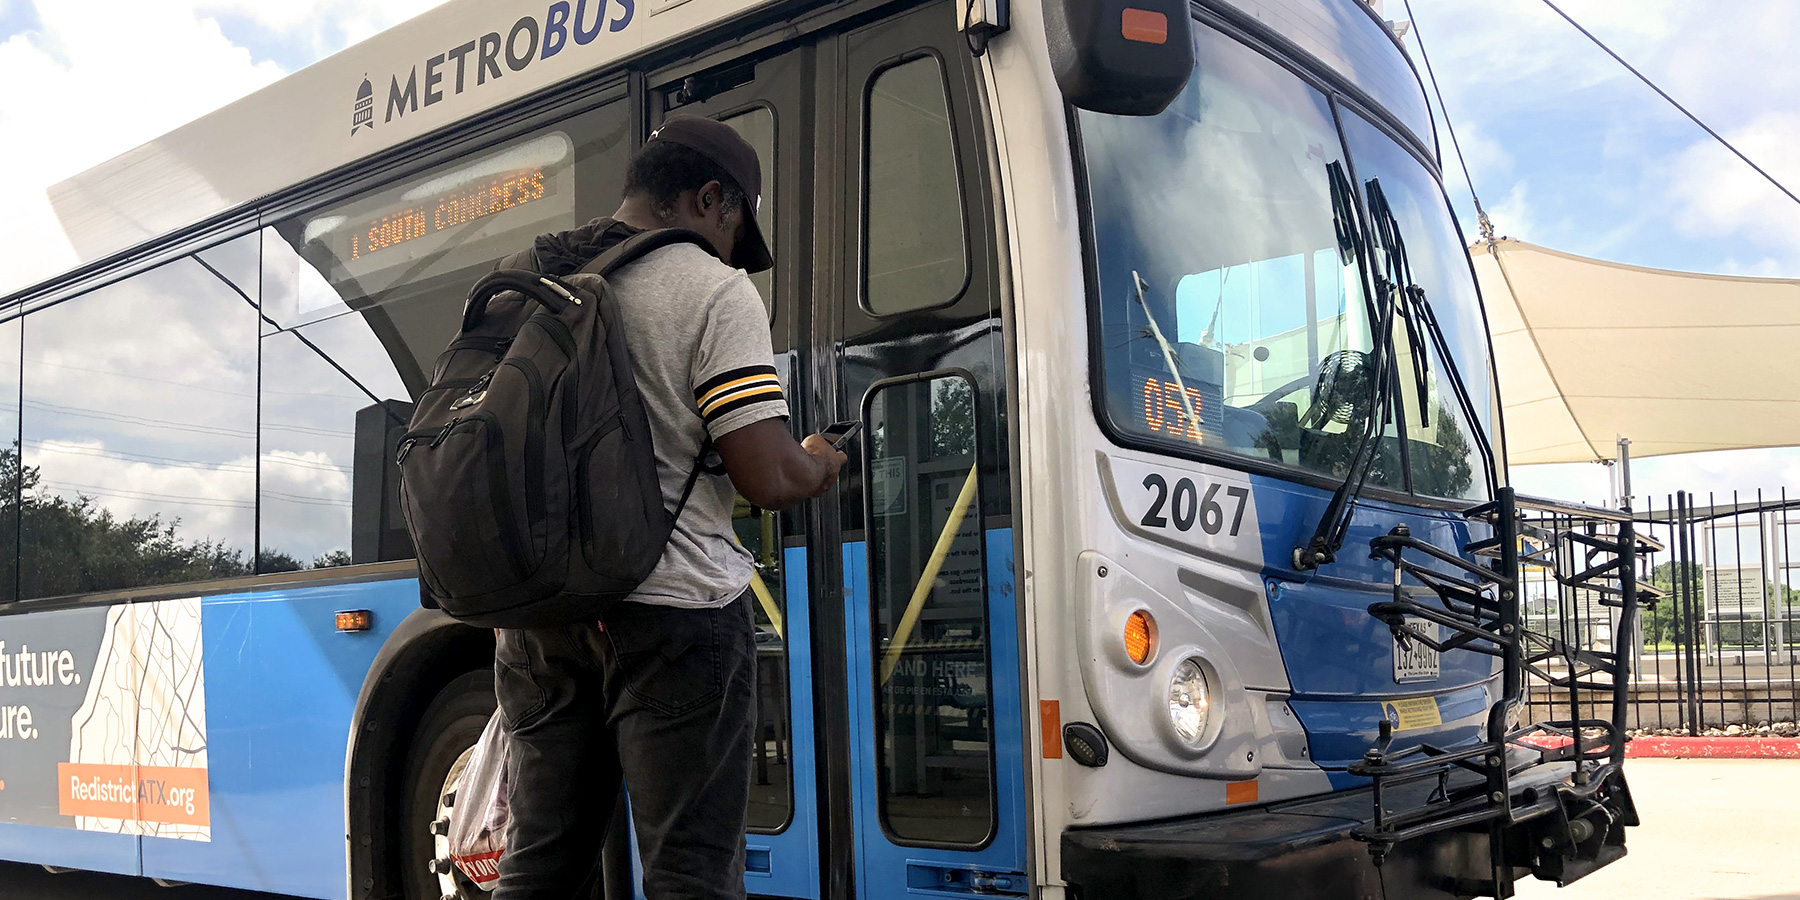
[1663, 623]
[1441, 467]
[276, 561]
[331, 559]
[73, 545]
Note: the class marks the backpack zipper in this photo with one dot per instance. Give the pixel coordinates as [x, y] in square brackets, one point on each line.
[534, 438]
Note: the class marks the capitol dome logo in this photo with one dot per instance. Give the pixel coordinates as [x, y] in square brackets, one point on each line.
[364, 114]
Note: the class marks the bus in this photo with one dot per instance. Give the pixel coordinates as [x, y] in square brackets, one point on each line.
[1176, 556]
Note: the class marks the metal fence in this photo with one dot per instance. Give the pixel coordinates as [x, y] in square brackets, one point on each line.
[1717, 651]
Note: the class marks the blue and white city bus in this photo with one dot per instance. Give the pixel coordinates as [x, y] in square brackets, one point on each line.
[1174, 559]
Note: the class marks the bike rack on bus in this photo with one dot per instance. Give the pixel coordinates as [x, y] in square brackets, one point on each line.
[1533, 817]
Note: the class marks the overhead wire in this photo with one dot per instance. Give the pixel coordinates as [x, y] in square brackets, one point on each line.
[1672, 101]
[1486, 226]
[1481, 216]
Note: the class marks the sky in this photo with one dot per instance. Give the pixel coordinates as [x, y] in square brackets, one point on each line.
[1568, 150]
[1565, 148]
[82, 82]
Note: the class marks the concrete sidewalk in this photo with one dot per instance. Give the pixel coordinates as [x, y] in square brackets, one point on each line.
[1714, 829]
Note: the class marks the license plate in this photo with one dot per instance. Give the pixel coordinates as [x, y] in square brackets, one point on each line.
[1413, 661]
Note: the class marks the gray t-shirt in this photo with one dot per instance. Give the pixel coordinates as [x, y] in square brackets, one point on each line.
[700, 348]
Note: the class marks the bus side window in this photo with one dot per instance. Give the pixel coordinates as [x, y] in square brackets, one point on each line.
[334, 404]
[138, 429]
[915, 252]
[9, 459]
[928, 612]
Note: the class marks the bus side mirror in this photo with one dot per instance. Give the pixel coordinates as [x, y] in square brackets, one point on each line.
[1123, 57]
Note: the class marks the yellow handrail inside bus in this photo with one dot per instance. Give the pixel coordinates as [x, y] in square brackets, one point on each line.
[761, 590]
[768, 603]
[927, 578]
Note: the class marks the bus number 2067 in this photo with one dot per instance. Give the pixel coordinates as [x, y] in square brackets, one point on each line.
[1184, 506]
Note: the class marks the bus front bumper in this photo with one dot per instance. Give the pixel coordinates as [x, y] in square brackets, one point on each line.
[1307, 849]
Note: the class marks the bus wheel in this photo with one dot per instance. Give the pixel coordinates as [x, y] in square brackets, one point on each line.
[441, 748]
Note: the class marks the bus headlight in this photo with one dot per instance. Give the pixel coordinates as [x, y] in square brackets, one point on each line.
[1188, 701]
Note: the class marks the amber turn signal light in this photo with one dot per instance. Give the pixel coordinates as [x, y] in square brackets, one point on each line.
[1144, 26]
[1140, 637]
[355, 620]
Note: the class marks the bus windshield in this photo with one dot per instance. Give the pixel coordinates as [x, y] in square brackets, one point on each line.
[1232, 314]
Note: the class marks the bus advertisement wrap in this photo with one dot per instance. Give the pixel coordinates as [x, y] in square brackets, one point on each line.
[103, 720]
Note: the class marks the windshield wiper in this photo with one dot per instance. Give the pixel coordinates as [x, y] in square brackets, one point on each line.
[1416, 308]
[1328, 536]
[1396, 280]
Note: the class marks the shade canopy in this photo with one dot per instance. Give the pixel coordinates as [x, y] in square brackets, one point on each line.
[1589, 351]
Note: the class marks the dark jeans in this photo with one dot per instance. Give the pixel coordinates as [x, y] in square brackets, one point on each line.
[660, 698]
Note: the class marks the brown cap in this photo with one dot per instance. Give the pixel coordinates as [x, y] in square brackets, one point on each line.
[722, 144]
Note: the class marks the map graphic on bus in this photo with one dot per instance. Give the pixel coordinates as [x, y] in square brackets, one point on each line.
[105, 720]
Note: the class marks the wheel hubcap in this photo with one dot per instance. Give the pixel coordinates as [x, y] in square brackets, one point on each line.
[440, 843]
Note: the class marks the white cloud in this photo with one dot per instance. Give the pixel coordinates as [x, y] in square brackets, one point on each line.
[1716, 194]
[306, 503]
[323, 26]
[1709, 477]
[94, 79]
[205, 502]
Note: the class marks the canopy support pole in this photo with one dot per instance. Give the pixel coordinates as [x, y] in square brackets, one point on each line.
[1624, 473]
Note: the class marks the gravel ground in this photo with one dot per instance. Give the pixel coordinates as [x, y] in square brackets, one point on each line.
[1714, 829]
[1775, 729]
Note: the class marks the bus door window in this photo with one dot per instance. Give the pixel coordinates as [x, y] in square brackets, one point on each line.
[929, 612]
[760, 530]
[915, 254]
[138, 429]
[757, 125]
[920, 360]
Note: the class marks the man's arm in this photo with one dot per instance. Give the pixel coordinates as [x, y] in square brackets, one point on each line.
[774, 471]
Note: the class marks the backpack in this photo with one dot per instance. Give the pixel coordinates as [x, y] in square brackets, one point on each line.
[527, 476]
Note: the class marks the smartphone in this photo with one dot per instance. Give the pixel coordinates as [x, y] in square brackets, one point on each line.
[840, 433]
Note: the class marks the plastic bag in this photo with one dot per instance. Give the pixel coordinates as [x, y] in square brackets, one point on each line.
[479, 815]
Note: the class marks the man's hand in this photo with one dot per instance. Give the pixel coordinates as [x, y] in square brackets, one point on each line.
[830, 458]
[774, 471]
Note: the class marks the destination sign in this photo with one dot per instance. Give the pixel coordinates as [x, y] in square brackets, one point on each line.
[444, 221]
[411, 221]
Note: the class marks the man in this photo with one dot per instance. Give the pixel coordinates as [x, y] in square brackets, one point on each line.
[661, 692]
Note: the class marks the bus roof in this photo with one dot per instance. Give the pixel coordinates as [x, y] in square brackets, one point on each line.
[438, 68]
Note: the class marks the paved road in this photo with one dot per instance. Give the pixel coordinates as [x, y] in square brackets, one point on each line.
[1714, 829]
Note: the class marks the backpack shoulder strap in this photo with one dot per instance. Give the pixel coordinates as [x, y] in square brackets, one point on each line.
[638, 245]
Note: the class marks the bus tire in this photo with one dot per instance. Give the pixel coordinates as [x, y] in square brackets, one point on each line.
[447, 732]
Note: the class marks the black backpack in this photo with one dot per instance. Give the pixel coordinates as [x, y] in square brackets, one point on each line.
[527, 476]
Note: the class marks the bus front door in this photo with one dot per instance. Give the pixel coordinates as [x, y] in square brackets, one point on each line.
[931, 638]
[889, 758]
